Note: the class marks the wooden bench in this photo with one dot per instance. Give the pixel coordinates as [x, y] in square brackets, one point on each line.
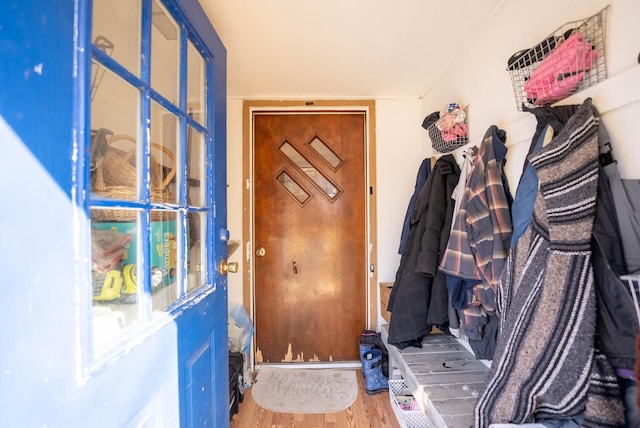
[444, 377]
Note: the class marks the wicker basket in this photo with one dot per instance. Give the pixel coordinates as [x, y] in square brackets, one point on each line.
[116, 177]
[128, 215]
[117, 167]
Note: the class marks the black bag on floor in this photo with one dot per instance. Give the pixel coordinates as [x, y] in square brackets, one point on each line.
[236, 379]
[370, 339]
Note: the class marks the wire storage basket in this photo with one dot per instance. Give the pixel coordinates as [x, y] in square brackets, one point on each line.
[407, 418]
[450, 131]
[568, 61]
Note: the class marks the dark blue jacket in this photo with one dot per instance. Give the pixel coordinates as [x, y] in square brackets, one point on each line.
[423, 175]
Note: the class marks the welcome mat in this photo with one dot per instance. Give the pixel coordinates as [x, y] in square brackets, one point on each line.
[291, 390]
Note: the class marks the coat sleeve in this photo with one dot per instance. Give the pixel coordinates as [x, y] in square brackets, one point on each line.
[489, 227]
[429, 256]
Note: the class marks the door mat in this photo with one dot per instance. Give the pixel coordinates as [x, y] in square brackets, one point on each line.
[291, 390]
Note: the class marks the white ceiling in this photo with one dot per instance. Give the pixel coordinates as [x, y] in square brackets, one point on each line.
[342, 48]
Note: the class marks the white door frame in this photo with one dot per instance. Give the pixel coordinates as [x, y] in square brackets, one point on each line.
[249, 110]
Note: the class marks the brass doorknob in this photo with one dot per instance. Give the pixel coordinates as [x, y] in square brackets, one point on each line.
[260, 252]
[228, 267]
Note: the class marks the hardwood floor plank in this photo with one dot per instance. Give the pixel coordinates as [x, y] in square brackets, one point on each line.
[367, 411]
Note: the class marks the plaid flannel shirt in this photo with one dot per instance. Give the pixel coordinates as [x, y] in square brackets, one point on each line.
[479, 241]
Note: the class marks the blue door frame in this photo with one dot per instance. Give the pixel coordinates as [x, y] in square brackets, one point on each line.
[174, 371]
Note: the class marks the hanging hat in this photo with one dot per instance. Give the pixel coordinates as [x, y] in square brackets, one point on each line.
[430, 119]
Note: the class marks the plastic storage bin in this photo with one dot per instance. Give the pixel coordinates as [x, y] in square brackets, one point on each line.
[406, 418]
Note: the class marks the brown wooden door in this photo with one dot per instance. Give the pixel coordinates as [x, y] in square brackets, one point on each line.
[310, 245]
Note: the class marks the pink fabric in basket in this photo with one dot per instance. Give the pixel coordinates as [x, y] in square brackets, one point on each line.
[458, 130]
[561, 71]
[412, 406]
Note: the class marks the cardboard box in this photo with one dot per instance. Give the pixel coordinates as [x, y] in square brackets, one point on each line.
[385, 293]
[163, 248]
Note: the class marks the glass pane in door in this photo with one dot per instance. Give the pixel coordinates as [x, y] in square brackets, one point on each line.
[114, 139]
[165, 135]
[116, 32]
[164, 260]
[195, 85]
[197, 250]
[196, 182]
[165, 53]
[115, 251]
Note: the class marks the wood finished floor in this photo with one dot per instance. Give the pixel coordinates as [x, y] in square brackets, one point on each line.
[367, 411]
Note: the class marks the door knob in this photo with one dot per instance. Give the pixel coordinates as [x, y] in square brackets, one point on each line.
[228, 267]
[260, 252]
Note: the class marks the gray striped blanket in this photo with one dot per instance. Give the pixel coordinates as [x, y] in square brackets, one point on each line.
[545, 365]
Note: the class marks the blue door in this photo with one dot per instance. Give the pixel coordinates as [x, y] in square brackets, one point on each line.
[113, 227]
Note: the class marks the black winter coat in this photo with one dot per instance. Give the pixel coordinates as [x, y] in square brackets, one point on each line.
[419, 298]
[616, 322]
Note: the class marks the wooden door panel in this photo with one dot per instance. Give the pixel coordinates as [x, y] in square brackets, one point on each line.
[199, 412]
[310, 287]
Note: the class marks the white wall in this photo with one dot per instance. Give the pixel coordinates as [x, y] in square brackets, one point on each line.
[478, 77]
[234, 195]
[400, 149]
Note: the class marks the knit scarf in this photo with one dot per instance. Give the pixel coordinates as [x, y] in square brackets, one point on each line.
[545, 365]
